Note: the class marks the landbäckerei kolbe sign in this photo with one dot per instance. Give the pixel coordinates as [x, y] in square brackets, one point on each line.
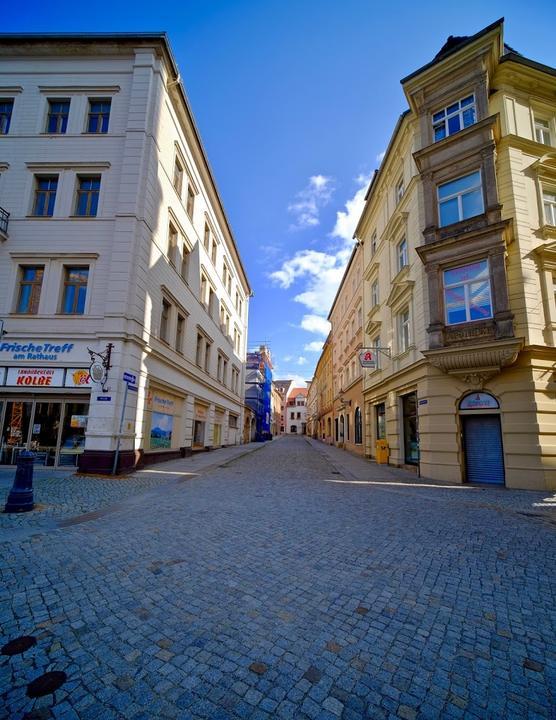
[37, 377]
[36, 350]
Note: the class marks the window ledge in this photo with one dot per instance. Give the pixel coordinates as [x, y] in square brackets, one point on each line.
[83, 217]
[404, 353]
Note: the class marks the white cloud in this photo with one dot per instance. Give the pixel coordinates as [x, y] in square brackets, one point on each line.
[301, 360]
[288, 358]
[346, 222]
[380, 156]
[314, 346]
[308, 202]
[297, 380]
[315, 324]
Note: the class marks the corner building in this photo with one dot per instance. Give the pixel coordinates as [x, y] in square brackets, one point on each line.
[112, 237]
[459, 234]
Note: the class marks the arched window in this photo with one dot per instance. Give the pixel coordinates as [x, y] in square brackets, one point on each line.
[358, 427]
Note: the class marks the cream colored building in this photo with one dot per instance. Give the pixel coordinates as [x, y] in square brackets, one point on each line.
[320, 401]
[116, 240]
[459, 238]
[346, 336]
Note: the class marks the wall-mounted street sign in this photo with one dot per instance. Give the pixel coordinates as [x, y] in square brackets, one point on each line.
[104, 398]
[368, 358]
[130, 378]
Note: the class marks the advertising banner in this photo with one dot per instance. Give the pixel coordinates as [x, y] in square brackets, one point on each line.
[35, 377]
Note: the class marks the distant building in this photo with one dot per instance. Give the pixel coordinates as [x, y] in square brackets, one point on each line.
[283, 387]
[346, 339]
[276, 412]
[258, 390]
[296, 412]
[320, 398]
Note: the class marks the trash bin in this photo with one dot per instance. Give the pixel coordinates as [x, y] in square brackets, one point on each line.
[381, 451]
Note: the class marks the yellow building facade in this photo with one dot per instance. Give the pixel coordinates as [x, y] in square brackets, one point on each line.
[458, 241]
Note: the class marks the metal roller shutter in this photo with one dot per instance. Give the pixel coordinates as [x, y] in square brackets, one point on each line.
[484, 458]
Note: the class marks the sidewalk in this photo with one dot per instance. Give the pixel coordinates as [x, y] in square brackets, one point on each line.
[355, 467]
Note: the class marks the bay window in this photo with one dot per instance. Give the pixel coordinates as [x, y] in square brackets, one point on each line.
[460, 199]
[467, 294]
[454, 118]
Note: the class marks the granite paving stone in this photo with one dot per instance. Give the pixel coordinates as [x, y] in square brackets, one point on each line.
[292, 582]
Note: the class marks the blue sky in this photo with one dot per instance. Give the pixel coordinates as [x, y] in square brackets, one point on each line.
[295, 102]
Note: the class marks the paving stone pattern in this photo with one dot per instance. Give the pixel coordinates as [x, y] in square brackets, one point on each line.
[59, 494]
[242, 594]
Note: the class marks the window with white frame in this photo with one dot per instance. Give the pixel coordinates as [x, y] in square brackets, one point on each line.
[190, 203]
[164, 320]
[75, 290]
[99, 116]
[374, 294]
[460, 199]
[454, 118]
[404, 336]
[400, 189]
[178, 176]
[29, 290]
[172, 244]
[6, 109]
[542, 131]
[57, 119]
[467, 295]
[180, 331]
[184, 269]
[549, 204]
[206, 237]
[402, 254]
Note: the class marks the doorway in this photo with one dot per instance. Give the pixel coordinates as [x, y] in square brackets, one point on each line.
[410, 429]
[484, 455]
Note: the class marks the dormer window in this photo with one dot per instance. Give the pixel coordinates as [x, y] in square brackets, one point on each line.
[454, 118]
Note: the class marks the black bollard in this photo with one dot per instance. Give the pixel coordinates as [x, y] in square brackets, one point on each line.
[20, 498]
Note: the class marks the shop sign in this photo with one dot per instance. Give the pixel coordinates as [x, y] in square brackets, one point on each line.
[201, 413]
[78, 377]
[35, 377]
[78, 421]
[2, 375]
[157, 402]
[479, 401]
[36, 350]
[367, 358]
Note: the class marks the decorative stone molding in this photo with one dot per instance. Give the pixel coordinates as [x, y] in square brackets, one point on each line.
[475, 363]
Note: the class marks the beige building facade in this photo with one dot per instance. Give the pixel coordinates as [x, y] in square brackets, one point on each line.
[346, 340]
[320, 400]
[115, 252]
[458, 235]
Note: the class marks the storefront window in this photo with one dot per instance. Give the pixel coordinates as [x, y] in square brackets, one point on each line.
[15, 430]
[410, 434]
[74, 426]
[44, 432]
[161, 430]
[380, 411]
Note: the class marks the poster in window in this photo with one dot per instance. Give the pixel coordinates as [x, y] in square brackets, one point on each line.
[161, 430]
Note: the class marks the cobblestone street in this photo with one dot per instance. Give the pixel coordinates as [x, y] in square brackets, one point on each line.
[286, 584]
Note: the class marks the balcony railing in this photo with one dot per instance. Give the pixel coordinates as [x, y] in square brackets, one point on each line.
[4, 215]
